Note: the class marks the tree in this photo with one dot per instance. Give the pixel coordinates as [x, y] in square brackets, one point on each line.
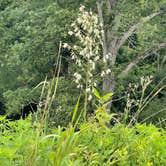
[126, 19]
[30, 34]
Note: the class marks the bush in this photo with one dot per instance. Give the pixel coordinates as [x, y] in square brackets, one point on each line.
[94, 144]
[17, 99]
[2, 105]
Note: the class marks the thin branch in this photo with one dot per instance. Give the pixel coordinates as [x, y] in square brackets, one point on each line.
[152, 115]
[160, 122]
[141, 57]
[163, 61]
[110, 4]
[133, 28]
[100, 14]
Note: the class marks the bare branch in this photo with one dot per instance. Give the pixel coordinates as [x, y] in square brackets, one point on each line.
[100, 14]
[141, 57]
[110, 4]
[133, 28]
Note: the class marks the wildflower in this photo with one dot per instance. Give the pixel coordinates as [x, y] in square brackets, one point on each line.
[77, 81]
[75, 47]
[90, 97]
[104, 60]
[96, 31]
[73, 24]
[136, 86]
[77, 34]
[88, 90]
[70, 33]
[89, 81]
[79, 86]
[107, 56]
[108, 71]
[86, 54]
[87, 38]
[90, 74]
[93, 65]
[73, 57]
[151, 77]
[94, 84]
[65, 45]
[82, 8]
[96, 58]
[77, 76]
[102, 31]
[101, 25]
[102, 74]
[78, 61]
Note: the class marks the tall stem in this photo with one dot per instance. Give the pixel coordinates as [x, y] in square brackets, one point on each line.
[86, 93]
[85, 106]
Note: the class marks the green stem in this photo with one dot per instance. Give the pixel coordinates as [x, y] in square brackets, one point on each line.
[86, 101]
[86, 93]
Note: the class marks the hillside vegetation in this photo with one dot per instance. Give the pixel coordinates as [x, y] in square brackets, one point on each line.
[82, 82]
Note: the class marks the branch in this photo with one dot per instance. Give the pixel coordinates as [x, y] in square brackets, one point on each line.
[141, 57]
[110, 4]
[100, 14]
[163, 61]
[133, 28]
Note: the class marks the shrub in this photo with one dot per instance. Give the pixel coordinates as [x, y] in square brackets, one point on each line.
[94, 144]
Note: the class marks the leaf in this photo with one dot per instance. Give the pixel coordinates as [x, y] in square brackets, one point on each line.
[96, 93]
[75, 109]
[107, 96]
[112, 115]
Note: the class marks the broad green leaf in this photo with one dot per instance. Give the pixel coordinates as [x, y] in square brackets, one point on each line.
[96, 93]
[107, 96]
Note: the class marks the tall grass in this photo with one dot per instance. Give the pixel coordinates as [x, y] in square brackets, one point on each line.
[135, 106]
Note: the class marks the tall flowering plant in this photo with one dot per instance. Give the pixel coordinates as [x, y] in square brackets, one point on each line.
[87, 30]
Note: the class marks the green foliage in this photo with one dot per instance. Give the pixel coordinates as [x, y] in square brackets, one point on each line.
[155, 113]
[102, 99]
[31, 31]
[16, 100]
[62, 106]
[29, 42]
[121, 146]
[2, 105]
[94, 144]
[28, 142]
[30, 35]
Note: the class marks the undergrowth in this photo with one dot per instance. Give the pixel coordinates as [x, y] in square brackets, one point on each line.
[93, 144]
[31, 142]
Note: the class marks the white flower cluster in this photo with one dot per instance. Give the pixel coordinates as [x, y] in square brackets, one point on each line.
[88, 31]
[65, 45]
[133, 88]
[145, 81]
[106, 57]
[104, 73]
[77, 77]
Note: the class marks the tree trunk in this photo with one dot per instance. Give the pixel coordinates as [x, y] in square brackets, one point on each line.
[112, 43]
[108, 44]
